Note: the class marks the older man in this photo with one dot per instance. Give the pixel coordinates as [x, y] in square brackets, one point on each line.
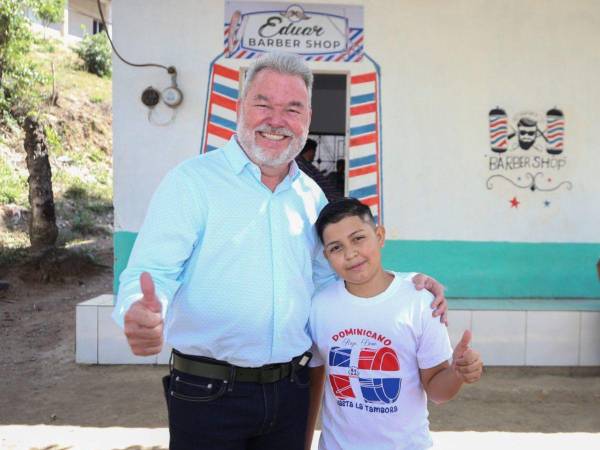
[224, 267]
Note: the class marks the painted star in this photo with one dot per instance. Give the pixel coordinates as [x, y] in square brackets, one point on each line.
[514, 203]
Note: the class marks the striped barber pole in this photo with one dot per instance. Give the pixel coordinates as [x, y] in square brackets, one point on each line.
[364, 180]
[555, 131]
[498, 130]
[220, 122]
[364, 140]
[232, 45]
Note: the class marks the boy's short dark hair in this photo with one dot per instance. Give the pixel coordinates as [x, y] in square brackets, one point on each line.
[340, 209]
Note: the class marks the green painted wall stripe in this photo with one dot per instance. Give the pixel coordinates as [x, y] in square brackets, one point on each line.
[483, 275]
[501, 269]
[524, 304]
[123, 244]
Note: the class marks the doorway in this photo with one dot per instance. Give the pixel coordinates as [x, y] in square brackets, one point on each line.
[328, 127]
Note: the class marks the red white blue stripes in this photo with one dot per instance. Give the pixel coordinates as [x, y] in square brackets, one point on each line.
[363, 148]
[555, 131]
[220, 123]
[499, 132]
[353, 54]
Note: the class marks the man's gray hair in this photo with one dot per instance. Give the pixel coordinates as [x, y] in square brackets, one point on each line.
[284, 63]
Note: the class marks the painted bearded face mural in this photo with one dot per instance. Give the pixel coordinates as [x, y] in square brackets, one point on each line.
[527, 131]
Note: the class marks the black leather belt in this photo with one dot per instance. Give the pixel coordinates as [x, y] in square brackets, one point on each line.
[210, 368]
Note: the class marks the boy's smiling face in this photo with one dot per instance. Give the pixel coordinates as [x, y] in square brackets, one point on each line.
[353, 248]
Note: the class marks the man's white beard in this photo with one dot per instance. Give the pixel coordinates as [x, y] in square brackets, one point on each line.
[264, 157]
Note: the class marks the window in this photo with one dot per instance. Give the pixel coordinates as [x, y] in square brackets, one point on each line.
[97, 27]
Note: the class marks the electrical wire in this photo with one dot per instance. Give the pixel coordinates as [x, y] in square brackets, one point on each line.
[153, 121]
[170, 69]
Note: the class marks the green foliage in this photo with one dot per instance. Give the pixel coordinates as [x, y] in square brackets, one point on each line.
[76, 192]
[85, 223]
[53, 140]
[15, 36]
[13, 187]
[95, 52]
[87, 203]
[14, 248]
[19, 77]
[46, 45]
[20, 92]
[49, 11]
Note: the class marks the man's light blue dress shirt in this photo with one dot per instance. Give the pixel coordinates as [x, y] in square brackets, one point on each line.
[234, 264]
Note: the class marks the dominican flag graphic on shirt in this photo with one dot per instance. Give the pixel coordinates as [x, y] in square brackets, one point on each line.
[340, 357]
[375, 372]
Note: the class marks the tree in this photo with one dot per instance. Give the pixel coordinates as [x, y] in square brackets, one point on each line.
[49, 11]
[15, 38]
[43, 231]
[18, 99]
[17, 75]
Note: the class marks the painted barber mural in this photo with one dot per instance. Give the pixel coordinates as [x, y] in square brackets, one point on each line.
[528, 153]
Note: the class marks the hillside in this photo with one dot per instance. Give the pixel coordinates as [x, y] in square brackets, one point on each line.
[78, 131]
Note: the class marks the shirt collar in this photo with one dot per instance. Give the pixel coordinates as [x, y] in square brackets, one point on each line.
[294, 171]
[239, 160]
[235, 155]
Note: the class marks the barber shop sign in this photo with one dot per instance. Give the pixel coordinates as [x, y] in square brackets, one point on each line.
[317, 32]
[527, 152]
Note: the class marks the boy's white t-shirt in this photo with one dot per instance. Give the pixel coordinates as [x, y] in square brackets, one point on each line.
[372, 349]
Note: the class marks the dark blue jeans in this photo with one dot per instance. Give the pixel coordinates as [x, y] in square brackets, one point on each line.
[205, 413]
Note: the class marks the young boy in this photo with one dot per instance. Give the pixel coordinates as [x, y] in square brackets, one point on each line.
[384, 354]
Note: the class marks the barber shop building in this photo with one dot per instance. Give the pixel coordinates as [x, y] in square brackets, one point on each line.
[469, 128]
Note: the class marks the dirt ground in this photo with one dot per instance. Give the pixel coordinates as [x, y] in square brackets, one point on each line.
[43, 385]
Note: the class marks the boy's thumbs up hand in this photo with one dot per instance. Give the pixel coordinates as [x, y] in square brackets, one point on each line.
[143, 321]
[466, 362]
[463, 345]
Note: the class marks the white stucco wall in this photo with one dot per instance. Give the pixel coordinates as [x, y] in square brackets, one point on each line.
[186, 34]
[443, 65]
[453, 62]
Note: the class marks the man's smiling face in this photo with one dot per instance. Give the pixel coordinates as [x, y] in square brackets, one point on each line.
[274, 117]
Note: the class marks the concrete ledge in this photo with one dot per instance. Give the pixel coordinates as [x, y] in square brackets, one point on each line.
[99, 340]
[567, 336]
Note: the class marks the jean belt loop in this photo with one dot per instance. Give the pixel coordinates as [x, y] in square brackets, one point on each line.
[292, 371]
[231, 381]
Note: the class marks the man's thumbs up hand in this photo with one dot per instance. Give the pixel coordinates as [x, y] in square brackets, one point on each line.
[144, 322]
[466, 362]
[149, 300]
